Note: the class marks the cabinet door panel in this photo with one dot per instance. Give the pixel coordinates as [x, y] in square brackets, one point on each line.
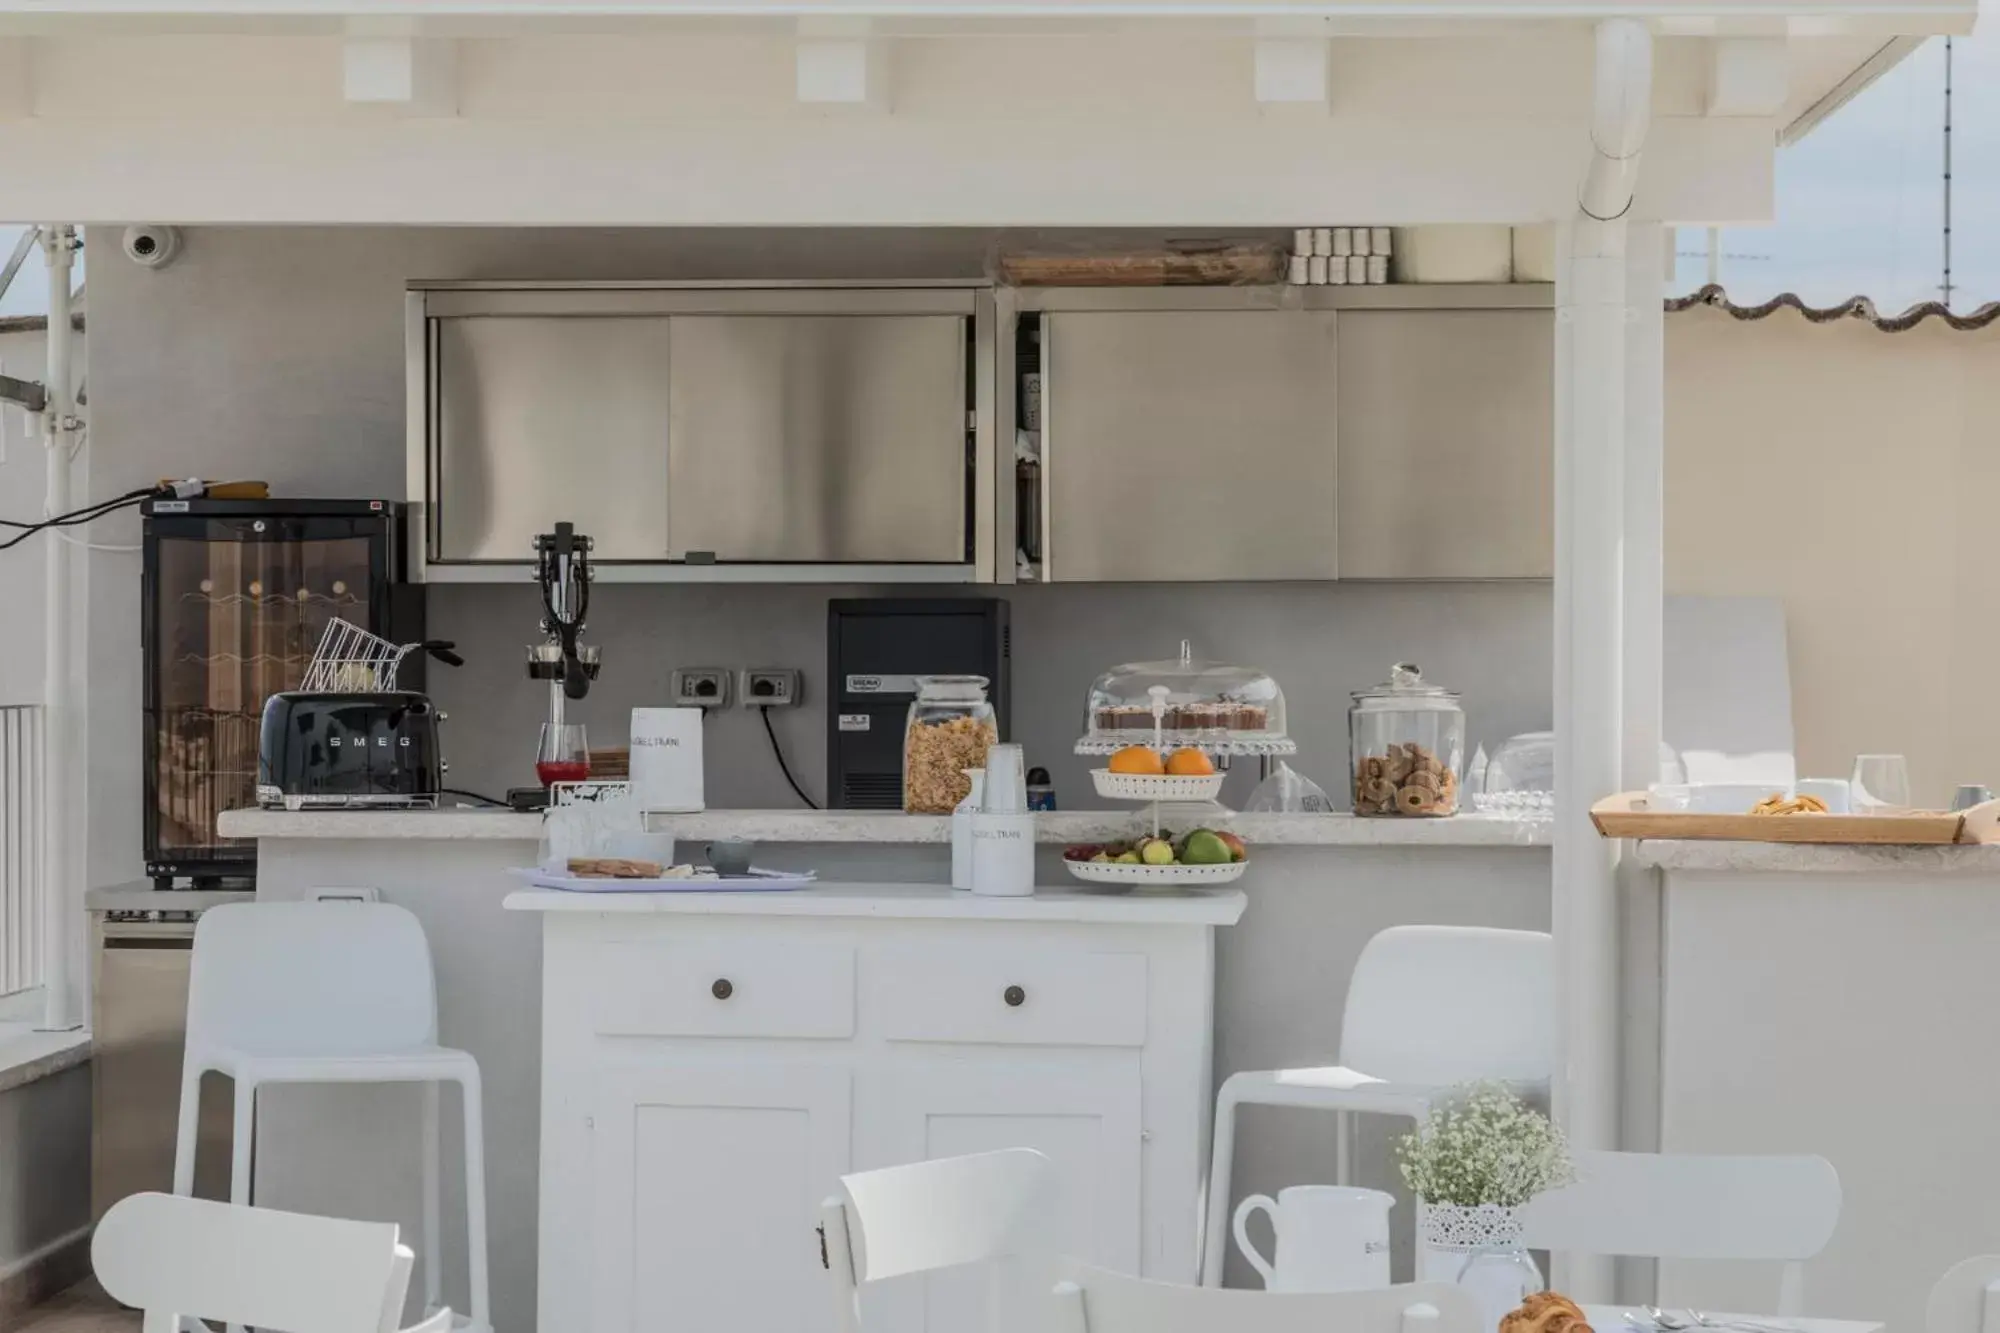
[1447, 444]
[708, 1184]
[1190, 445]
[1085, 1119]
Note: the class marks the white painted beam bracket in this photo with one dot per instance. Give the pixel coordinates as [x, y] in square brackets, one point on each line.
[414, 75]
[1748, 76]
[841, 63]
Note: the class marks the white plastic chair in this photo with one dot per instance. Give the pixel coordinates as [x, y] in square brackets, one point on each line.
[1967, 1298]
[1689, 1206]
[1428, 1008]
[176, 1258]
[1094, 1300]
[329, 992]
[927, 1216]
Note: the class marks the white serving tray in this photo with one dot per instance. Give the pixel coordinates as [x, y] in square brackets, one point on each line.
[1161, 877]
[1156, 787]
[757, 881]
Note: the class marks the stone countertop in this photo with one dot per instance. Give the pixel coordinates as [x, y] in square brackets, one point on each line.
[889, 827]
[1209, 907]
[1799, 858]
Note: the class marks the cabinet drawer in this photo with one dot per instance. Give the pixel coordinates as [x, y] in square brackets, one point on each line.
[1061, 997]
[724, 988]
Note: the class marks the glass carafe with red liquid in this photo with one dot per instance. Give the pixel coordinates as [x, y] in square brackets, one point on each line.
[563, 754]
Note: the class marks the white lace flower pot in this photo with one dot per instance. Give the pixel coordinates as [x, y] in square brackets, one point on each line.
[1479, 1248]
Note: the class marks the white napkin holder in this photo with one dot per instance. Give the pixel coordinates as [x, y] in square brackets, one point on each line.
[666, 760]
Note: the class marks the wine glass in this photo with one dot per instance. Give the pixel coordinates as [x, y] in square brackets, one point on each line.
[1880, 785]
[563, 755]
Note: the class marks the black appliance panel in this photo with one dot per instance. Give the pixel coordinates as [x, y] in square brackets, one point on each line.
[876, 647]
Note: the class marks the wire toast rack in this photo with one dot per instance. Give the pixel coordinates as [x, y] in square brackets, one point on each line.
[350, 660]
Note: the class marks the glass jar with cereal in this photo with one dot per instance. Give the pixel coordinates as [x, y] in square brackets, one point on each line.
[950, 729]
[1407, 740]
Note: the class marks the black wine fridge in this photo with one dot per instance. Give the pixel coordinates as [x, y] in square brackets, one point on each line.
[236, 596]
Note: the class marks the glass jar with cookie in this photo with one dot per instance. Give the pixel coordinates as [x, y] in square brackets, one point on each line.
[1407, 739]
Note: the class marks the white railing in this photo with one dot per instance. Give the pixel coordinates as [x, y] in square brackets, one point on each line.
[22, 843]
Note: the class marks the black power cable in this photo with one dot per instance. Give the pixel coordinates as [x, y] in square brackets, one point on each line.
[783, 767]
[460, 791]
[87, 514]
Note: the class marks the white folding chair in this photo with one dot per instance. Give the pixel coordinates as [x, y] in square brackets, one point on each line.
[927, 1216]
[1689, 1206]
[1095, 1300]
[329, 992]
[1967, 1298]
[176, 1258]
[1428, 1008]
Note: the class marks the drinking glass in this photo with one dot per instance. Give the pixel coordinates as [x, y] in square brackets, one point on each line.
[1880, 785]
[563, 755]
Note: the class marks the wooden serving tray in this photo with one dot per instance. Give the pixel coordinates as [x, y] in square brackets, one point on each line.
[1626, 816]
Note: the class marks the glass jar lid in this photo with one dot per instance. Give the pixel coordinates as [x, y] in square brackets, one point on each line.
[952, 689]
[1406, 691]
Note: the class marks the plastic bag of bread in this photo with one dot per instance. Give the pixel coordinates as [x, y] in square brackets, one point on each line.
[1288, 792]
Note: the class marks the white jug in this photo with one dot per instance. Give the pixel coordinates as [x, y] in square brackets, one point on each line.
[1330, 1238]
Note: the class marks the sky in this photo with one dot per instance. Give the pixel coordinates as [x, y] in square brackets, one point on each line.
[1860, 207]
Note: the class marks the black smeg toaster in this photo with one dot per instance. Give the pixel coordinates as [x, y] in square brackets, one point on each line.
[333, 751]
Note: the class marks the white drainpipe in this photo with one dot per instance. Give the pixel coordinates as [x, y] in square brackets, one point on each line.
[61, 732]
[1589, 594]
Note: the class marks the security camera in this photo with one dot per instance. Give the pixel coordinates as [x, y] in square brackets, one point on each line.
[152, 246]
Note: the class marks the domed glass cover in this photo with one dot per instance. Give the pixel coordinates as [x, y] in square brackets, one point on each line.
[1219, 707]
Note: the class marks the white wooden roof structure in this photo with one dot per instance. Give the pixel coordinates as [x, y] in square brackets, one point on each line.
[1607, 116]
[982, 112]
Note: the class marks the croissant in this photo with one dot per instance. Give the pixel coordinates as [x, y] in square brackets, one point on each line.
[1546, 1312]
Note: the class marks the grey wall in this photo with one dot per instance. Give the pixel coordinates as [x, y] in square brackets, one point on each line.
[277, 353]
[1320, 641]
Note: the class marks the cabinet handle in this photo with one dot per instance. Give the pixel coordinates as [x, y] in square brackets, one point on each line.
[722, 990]
[1014, 996]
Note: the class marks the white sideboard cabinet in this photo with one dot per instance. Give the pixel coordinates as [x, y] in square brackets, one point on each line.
[713, 1063]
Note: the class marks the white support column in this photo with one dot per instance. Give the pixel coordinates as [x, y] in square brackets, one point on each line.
[1589, 599]
[1645, 493]
[62, 733]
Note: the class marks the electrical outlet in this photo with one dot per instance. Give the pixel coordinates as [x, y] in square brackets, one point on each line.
[771, 687]
[701, 687]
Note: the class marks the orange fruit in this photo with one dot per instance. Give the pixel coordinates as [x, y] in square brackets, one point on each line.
[1137, 759]
[1189, 764]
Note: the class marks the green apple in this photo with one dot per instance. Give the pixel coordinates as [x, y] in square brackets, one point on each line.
[1157, 852]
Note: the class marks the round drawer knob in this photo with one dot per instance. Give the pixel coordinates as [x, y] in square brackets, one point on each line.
[1014, 996]
[722, 990]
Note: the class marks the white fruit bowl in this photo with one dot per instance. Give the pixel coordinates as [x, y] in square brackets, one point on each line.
[1111, 872]
[1156, 787]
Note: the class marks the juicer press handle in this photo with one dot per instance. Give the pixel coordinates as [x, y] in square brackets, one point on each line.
[441, 649]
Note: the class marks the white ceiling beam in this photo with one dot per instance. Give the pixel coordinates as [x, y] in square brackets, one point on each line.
[1293, 71]
[1748, 76]
[841, 62]
[414, 75]
[17, 88]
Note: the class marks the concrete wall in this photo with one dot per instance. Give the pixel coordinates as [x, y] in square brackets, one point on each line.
[1851, 474]
[44, 1173]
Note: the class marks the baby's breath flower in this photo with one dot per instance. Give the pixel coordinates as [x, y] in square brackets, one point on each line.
[1485, 1146]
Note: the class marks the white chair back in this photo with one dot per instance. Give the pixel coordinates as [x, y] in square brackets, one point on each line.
[1095, 1300]
[1442, 1005]
[930, 1215]
[311, 978]
[1686, 1206]
[1967, 1298]
[173, 1256]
